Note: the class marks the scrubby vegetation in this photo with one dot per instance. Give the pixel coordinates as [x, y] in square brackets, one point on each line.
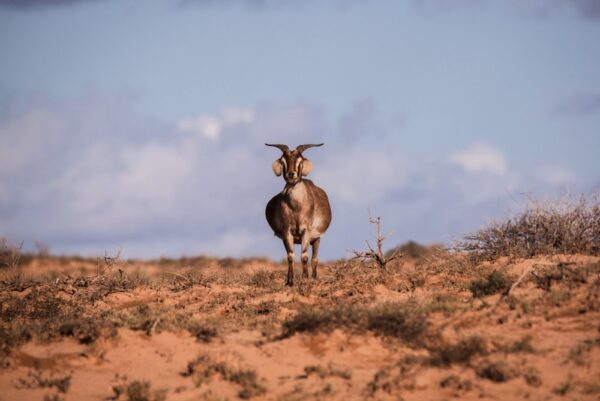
[403, 320]
[434, 324]
[565, 227]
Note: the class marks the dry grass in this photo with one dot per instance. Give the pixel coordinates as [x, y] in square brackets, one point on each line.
[460, 352]
[204, 368]
[406, 321]
[495, 282]
[138, 390]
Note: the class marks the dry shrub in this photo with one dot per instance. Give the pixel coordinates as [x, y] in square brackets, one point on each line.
[580, 354]
[36, 379]
[572, 276]
[406, 321]
[563, 227]
[203, 331]
[497, 371]
[460, 352]
[495, 282]
[203, 368]
[455, 383]
[40, 313]
[263, 278]
[523, 345]
[414, 250]
[138, 390]
[532, 377]
[186, 280]
[147, 318]
[314, 320]
[324, 372]
[11, 337]
[87, 330]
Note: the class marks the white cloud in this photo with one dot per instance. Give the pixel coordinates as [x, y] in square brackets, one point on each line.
[480, 158]
[94, 174]
[211, 126]
[557, 175]
[362, 175]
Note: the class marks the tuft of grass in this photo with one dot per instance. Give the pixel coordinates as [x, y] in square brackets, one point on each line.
[203, 331]
[203, 368]
[11, 337]
[498, 371]
[495, 282]
[563, 388]
[404, 320]
[263, 278]
[324, 372]
[580, 353]
[314, 320]
[532, 377]
[139, 390]
[523, 345]
[455, 383]
[87, 330]
[36, 379]
[564, 227]
[461, 352]
[188, 279]
[590, 388]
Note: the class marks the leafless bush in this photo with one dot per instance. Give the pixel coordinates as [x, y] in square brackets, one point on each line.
[10, 254]
[377, 254]
[563, 227]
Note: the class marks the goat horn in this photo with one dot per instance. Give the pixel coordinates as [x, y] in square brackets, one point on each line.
[302, 148]
[283, 148]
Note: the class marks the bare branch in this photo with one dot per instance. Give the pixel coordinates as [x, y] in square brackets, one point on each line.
[376, 254]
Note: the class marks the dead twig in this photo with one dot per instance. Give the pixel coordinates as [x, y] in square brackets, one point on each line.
[376, 254]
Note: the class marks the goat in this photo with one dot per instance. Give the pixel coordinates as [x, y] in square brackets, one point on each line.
[300, 214]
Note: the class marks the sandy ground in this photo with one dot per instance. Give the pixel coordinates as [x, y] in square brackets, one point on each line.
[75, 329]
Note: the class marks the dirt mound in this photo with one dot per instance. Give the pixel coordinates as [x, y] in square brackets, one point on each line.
[440, 326]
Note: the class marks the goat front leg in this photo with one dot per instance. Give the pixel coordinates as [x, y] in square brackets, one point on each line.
[314, 261]
[304, 254]
[288, 242]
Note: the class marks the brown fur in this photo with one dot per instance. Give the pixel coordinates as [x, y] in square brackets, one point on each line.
[301, 213]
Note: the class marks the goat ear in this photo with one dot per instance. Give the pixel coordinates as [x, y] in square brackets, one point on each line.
[277, 167]
[306, 167]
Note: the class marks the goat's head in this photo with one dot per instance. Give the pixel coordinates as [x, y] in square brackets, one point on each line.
[292, 164]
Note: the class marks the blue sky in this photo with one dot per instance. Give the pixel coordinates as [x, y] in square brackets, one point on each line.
[140, 124]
